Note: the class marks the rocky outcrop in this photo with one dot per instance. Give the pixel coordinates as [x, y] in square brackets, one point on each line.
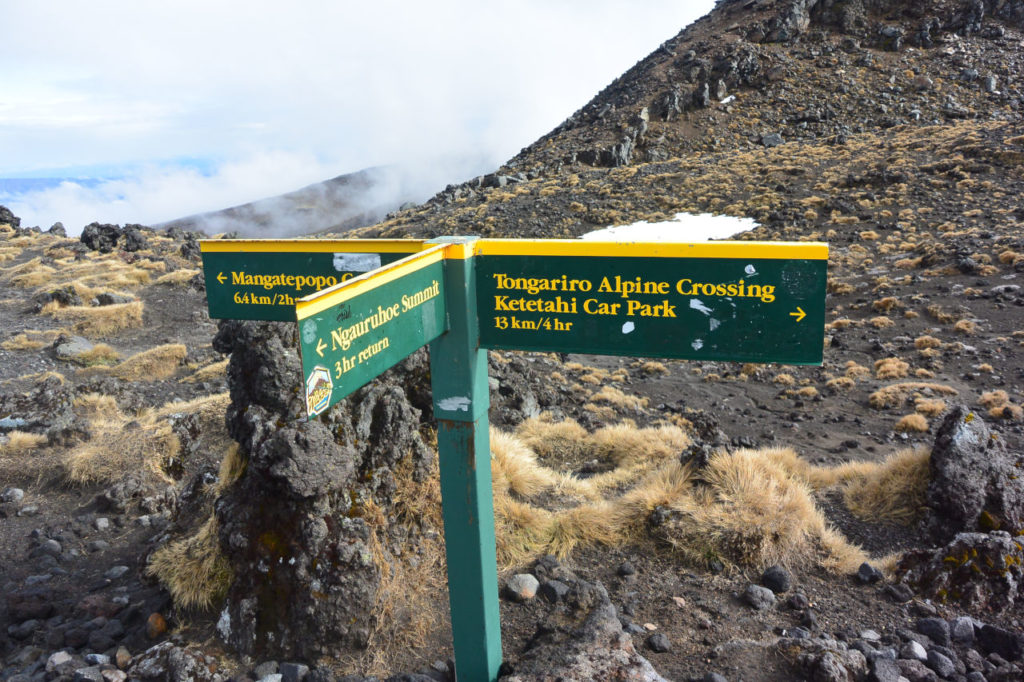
[582, 640]
[980, 571]
[975, 484]
[305, 529]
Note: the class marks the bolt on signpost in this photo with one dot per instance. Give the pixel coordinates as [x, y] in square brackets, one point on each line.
[738, 301]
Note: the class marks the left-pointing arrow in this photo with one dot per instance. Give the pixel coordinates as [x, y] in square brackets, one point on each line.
[799, 314]
[221, 278]
[320, 346]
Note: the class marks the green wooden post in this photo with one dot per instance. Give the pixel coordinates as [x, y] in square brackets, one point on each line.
[458, 370]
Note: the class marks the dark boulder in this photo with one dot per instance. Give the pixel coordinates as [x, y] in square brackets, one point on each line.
[8, 218]
[306, 528]
[980, 571]
[101, 237]
[974, 480]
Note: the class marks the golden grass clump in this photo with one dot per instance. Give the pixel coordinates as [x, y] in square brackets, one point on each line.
[615, 397]
[177, 278]
[926, 341]
[840, 384]
[966, 326]
[101, 320]
[855, 371]
[994, 398]
[751, 511]
[895, 395]
[193, 569]
[893, 490]
[153, 364]
[100, 354]
[891, 368]
[31, 339]
[886, 304]
[882, 322]
[118, 444]
[550, 439]
[214, 370]
[912, 423]
[930, 407]
[20, 442]
[783, 379]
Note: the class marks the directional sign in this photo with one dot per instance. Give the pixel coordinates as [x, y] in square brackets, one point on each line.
[260, 279]
[740, 301]
[356, 330]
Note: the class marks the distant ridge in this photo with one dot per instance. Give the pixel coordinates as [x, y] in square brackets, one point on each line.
[339, 204]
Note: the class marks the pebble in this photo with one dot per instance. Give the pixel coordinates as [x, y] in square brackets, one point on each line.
[942, 666]
[12, 495]
[626, 569]
[962, 630]
[658, 643]
[102, 523]
[116, 572]
[868, 574]
[521, 587]
[914, 651]
[935, 629]
[293, 672]
[776, 579]
[760, 598]
[553, 591]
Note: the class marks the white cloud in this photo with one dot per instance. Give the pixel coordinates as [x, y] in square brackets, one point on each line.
[320, 86]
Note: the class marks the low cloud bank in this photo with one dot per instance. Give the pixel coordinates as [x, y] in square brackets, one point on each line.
[159, 195]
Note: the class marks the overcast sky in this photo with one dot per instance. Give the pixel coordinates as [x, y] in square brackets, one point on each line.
[190, 106]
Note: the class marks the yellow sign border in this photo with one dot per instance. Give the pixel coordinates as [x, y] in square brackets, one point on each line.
[579, 247]
[312, 245]
[343, 291]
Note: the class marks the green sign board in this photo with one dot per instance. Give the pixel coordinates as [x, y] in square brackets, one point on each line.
[739, 301]
[261, 279]
[351, 333]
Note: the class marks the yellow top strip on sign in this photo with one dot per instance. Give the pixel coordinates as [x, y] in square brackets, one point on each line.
[368, 281]
[579, 247]
[311, 245]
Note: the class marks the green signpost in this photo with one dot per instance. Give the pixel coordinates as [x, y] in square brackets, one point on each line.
[742, 301]
[261, 279]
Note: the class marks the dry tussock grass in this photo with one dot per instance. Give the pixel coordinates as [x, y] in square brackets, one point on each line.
[930, 407]
[9, 253]
[749, 508]
[193, 569]
[153, 364]
[99, 321]
[891, 368]
[119, 443]
[214, 370]
[912, 423]
[896, 395]
[23, 456]
[178, 278]
[926, 341]
[100, 354]
[615, 397]
[893, 490]
[32, 340]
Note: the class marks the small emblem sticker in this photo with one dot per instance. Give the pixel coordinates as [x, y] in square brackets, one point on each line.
[318, 390]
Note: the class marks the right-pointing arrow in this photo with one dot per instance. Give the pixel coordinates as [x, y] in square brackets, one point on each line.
[799, 314]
